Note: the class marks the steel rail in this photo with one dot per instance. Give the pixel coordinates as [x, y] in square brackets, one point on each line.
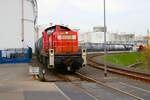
[108, 86]
[120, 71]
[66, 78]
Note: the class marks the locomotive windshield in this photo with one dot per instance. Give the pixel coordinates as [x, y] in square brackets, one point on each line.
[50, 31]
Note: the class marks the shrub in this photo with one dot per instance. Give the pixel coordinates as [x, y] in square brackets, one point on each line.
[146, 55]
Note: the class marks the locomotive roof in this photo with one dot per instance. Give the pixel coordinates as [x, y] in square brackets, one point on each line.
[54, 27]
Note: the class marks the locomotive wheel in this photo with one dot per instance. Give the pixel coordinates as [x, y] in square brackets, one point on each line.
[42, 75]
[72, 70]
[40, 58]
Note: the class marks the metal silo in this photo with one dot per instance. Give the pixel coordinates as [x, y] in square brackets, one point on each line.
[17, 23]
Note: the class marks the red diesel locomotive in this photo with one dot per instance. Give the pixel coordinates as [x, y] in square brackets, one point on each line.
[58, 49]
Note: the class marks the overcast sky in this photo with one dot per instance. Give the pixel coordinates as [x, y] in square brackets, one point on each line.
[131, 16]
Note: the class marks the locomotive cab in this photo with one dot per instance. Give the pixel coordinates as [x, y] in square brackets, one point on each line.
[66, 41]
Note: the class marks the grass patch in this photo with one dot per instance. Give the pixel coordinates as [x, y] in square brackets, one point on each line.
[125, 59]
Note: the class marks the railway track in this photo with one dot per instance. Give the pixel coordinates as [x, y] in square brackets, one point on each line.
[79, 78]
[121, 71]
[107, 86]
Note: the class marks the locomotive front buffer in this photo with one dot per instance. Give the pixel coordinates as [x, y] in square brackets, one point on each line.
[51, 64]
[84, 57]
[51, 59]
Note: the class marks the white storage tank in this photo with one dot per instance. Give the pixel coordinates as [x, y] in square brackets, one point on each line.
[17, 23]
[93, 37]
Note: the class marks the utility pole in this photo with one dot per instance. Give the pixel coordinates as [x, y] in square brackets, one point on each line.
[148, 37]
[105, 30]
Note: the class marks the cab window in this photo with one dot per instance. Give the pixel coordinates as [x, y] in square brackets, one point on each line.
[50, 30]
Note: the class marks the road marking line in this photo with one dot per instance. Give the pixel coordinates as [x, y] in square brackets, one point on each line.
[68, 98]
[86, 92]
[135, 87]
[90, 95]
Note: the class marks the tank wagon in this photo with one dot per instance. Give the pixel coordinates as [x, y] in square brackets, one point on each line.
[58, 49]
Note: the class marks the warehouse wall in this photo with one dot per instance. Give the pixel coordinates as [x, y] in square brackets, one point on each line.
[11, 24]
[29, 30]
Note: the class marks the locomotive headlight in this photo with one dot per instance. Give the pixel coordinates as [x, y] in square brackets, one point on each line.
[59, 37]
[73, 37]
[66, 32]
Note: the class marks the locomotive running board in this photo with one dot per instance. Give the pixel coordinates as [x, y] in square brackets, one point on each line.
[51, 59]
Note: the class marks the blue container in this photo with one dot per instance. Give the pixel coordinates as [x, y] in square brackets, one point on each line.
[0, 53]
[15, 56]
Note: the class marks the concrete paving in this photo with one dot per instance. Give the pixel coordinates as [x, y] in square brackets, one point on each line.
[17, 84]
[30, 91]
[74, 92]
[103, 93]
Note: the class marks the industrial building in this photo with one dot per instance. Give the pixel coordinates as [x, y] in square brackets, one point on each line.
[18, 20]
[94, 40]
[97, 36]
